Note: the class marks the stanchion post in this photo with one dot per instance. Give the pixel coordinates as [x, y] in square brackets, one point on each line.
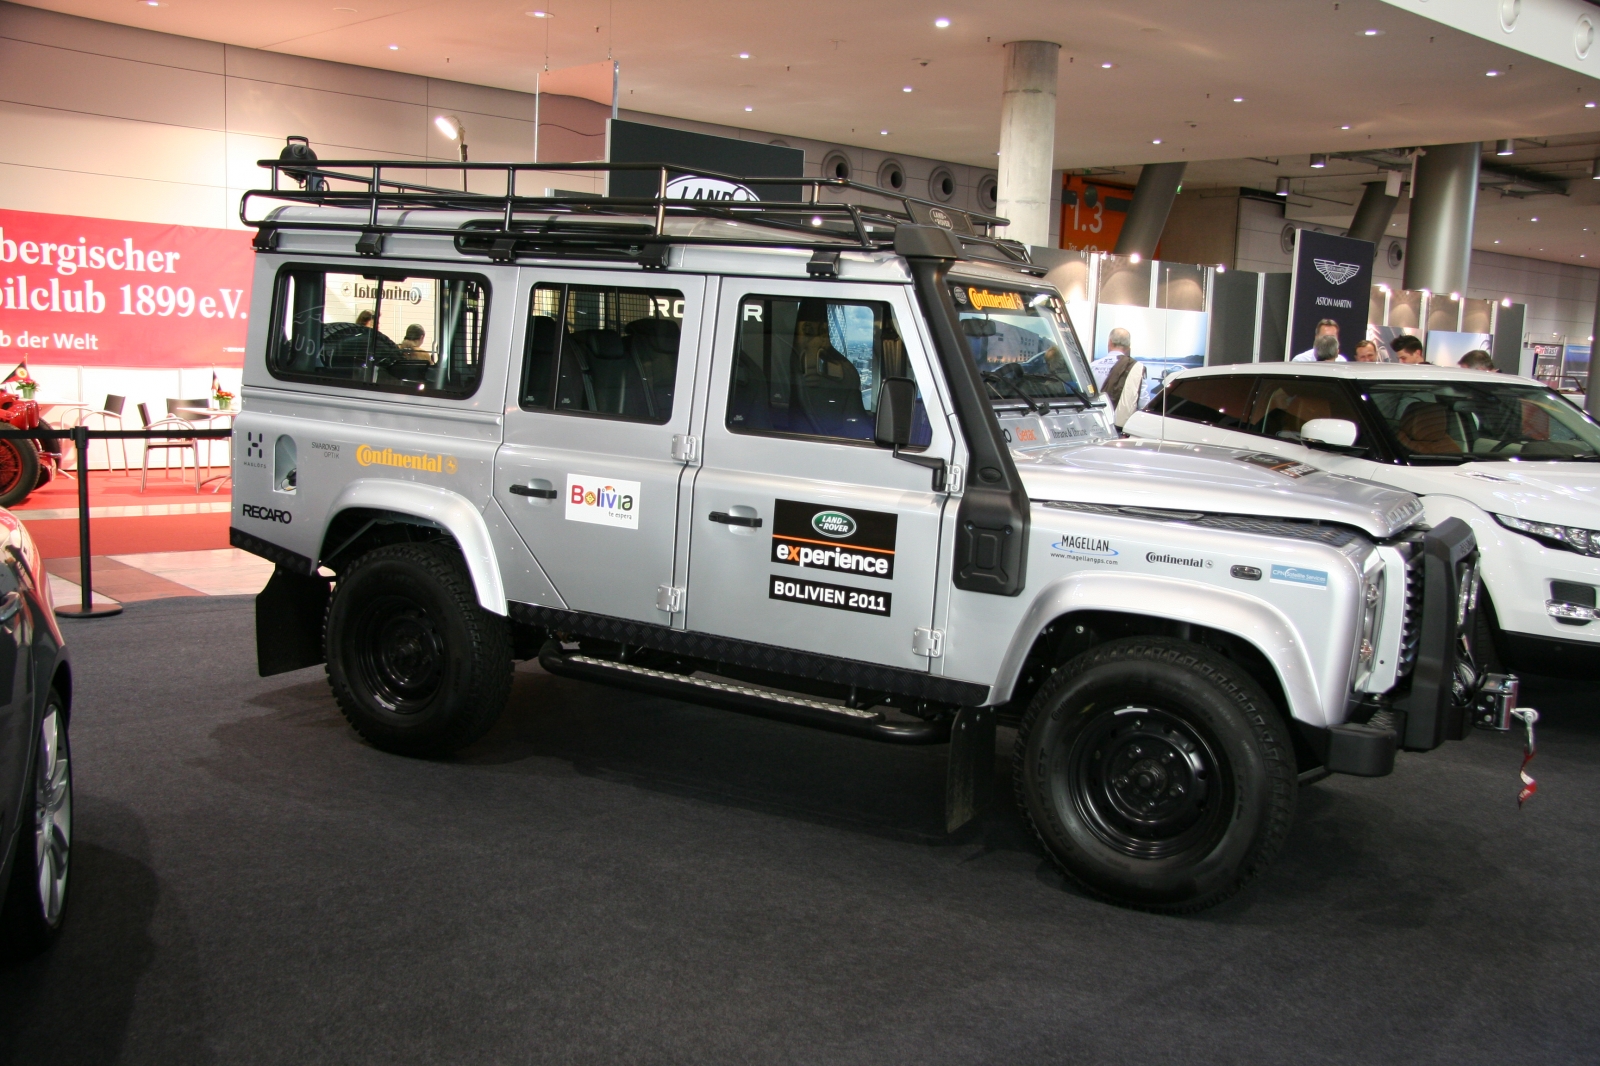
[86, 607]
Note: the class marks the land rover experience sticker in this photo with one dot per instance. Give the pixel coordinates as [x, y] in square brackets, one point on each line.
[842, 539]
[821, 594]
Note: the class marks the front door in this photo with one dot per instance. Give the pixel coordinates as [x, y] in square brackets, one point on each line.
[803, 533]
[587, 472]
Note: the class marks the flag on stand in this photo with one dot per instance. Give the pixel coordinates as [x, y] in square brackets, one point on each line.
[19, 373]
[216, 386]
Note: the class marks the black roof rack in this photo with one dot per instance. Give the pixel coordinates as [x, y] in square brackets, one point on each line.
[575, 225]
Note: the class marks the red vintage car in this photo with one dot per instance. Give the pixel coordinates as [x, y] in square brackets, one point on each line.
[24, 464]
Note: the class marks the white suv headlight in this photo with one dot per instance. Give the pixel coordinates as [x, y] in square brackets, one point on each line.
[1568, 538]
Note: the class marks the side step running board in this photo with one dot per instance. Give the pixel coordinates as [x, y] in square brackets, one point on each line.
[747, 699]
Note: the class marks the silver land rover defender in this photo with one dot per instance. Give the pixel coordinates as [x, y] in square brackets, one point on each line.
[832, 463]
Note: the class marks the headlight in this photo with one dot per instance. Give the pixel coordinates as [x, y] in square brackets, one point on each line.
[1568, 538]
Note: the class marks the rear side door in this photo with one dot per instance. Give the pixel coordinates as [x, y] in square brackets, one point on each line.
[587, 472]
[803, 533]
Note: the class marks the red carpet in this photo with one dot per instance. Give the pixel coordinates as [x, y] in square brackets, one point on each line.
[58, 538]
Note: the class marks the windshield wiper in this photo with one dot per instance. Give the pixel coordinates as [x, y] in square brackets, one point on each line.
[993, 379]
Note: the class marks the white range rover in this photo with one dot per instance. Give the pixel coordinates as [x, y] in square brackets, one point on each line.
[840, 465]
[1515, 460]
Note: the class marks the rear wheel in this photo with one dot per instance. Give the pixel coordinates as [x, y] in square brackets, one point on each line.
[417, 666]
[1157, 774]
[36, 900]
[19, 470]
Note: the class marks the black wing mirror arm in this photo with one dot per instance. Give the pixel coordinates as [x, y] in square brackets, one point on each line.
[937, 465]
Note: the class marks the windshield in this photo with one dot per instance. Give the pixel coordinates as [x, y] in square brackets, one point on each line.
[1024, 348]
[1458, 421]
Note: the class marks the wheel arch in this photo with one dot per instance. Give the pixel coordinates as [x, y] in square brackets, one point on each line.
[1076, 613]
[371, 512]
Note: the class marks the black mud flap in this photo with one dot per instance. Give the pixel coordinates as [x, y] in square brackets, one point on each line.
[969, 780]
[289, 617]
[1431, 715]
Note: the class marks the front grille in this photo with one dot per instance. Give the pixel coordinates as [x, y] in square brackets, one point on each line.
[1411, 630]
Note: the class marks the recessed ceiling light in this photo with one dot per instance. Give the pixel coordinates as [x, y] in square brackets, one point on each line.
[1491, 73]
[1318, 161]
[1589, 104]
[1156, 141]
[1344, 127]
[150, 3]
[1238, 99]
[744, 55]
[749, 109]
[538, 14]
[394, 48]
[1107, 66]
[906, 89]
[885, 133]
[1372, 33]
[1497, 242]
[943, 24]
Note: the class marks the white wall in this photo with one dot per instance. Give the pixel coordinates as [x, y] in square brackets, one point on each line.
[1560, 297]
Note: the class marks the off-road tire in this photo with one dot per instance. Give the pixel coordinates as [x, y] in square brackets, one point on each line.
[1098, 786]
[19, 469]
[417, 666]
[29, 922]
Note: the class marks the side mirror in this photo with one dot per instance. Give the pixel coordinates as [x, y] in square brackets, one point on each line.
[1338, 432]
[897, 400]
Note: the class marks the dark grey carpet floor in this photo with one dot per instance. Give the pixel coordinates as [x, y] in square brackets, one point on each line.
[609, 878]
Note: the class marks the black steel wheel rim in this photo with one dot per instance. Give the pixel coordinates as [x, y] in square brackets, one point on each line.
[1148, 782]
[399, 653]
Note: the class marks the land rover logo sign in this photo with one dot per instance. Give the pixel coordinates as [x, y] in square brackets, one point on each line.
[941, 217]
[833, 524]
[1336, 273]
[693, 188]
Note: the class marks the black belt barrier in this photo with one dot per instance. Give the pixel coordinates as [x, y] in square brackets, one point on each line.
[80, 437]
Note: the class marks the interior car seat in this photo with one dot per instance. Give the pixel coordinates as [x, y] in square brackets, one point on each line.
[618, 386]
[1425, 429]
[653, 346]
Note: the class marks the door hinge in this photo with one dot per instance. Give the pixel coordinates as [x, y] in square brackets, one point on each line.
[669, 599]
[927, 642]
[685, 448]
[952, 480]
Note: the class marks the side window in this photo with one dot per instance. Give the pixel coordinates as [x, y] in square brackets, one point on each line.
[1283, 405]
[1223, 402]
[391, 332]
[813, 366]
[602, 350]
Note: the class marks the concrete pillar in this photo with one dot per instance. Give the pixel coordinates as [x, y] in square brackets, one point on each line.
[1373, 214]
[1152, 203]
[1439, 234]
[1028, 139]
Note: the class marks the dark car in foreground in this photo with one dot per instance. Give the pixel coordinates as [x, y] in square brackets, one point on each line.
[35, 757]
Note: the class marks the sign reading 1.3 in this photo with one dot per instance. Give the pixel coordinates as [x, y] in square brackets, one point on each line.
[1092, 214]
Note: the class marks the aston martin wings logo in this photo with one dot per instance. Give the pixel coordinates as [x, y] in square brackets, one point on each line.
[1336, 273]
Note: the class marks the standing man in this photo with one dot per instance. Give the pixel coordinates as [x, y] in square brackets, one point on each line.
[1408, 349]
[1124, 378]
[1326, 328]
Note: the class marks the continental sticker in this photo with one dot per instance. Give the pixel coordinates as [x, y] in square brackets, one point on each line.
[842, 539]
[603, 501]
[984, 300]
[424, 462]
[822, 594]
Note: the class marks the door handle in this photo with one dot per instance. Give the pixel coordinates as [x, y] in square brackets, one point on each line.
[735, 520]
[538, 494]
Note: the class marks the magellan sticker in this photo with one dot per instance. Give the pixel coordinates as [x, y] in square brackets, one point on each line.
[821, 594]
[367, 455]
[843, 539]
[1085, 549]
[1299, 575]
[603, 501]
[1278, 464]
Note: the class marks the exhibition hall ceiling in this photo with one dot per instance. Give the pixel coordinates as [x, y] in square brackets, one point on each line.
[1141, 81]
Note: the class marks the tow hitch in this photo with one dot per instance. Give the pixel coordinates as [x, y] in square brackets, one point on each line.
[1494, 708]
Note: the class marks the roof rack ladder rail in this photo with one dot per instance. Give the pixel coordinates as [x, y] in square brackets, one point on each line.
[861, 227]
[661, 203]
[511, 193]
[373, 188]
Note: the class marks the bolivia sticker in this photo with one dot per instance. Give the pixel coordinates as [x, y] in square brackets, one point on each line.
[603, 501]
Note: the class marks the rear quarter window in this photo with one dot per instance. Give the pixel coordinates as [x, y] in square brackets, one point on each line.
[415, 333]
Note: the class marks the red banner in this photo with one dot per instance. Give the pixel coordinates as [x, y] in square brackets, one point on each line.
[98, 292]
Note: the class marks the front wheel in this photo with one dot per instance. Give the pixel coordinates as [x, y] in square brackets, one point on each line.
[418, 667]
[36, 900]
[1157, 774]
[19, 469]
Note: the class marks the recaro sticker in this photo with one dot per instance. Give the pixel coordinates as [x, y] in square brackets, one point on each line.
[603, 501]
[821, 594]
[1299, 575]
[1278, 464]
[842, 539]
